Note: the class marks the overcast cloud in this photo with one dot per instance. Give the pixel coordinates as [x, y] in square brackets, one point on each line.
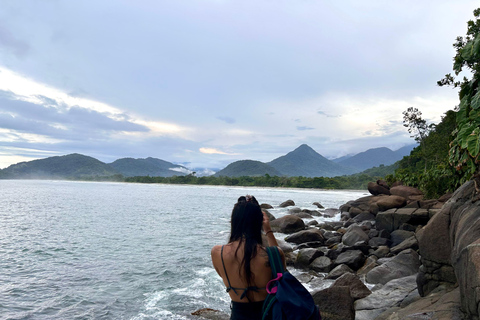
[205, 83]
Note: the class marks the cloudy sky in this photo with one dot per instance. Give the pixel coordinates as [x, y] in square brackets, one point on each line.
[207, 82]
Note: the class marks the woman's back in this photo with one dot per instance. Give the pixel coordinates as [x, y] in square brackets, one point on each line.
[259, 265]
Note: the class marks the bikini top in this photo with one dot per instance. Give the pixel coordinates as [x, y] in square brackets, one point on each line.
[245, 290]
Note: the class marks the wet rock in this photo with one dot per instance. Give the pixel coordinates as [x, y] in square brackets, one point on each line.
[322, 264]
[269, 215]
[318, 205]
[330, 212]
[310, 235]
[335, 303]
[306, 256]
[353, 235]
[390, 295]
[287, 224]
[339, 271]
[294, 210]
[357, 289]
[266, 206]
[406, 263]
[352, 258]
[211, 314]
[287, 203]
[312, 212]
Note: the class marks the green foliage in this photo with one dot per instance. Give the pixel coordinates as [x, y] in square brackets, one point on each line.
[357, 181]
[464, 153]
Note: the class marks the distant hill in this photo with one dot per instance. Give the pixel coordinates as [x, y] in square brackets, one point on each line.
[306, 162]
[405, 151]
[247, 168]
[371, 158]
[152, 167]
[70, 166]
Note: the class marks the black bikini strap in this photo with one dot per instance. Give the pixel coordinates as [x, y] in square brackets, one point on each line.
[226, 275]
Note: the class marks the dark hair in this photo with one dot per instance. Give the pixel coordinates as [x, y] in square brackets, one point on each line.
[246, 226]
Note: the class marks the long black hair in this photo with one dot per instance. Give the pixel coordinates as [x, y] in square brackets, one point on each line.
[246, 226]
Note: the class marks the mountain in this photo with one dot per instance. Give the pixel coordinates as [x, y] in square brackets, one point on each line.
[247, 168]
[405, 151]
[306, 162]
[371, 158]
[70, 166]
[153, 167]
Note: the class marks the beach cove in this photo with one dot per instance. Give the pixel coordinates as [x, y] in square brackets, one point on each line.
[93, 250]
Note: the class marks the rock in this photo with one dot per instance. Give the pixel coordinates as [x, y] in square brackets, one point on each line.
[381, 251]
[286, 247]
[441, 304]
[445, 197]
[398, 236]
[266, 206]
[390, 202]
[352, 258]
[370, 263]
[353, 235]
[406, 192]
[294, 210]
[269, 215]
[321, 264]
[357, 289]
[302, 215]
[318, 205]
[312, 223]
[339, 271]
[330, 212]
[313, 244]
[376, 189]
[306, 256]
[406, 244]
[211, 314]
[287, 203]
[406, 263]
[364, 216]
[335, 303]
[392, 219]
[310, 235]
[333, 240]
[390, 295]
[287, 224]
[376, 242]
[312, 212]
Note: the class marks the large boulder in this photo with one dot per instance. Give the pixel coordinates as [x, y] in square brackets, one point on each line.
[353, 235]
[352, 258]
[287, 203]
[392, 219]
[390, 295]
[390, 202]
[339, 271]
[287, 224]
[408, 193]
[398, 236]
[322, 264]
[310, 235]
[375, 189]
[306, 256]
[357, 289]
[335, 303]
[406, 263]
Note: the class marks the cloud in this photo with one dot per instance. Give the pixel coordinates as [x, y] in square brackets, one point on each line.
[328, 115]
[214, 151]
[227, 119]
[303, 128]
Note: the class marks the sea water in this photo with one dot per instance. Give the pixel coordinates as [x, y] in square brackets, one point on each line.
[89, 250]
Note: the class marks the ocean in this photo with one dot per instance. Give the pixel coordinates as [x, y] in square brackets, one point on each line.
[99, 250]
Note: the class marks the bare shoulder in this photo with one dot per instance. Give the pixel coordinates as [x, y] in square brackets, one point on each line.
[216, 250]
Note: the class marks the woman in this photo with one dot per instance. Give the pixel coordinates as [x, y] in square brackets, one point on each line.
[243, 262]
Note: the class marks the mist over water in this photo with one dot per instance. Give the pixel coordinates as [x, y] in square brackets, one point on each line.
[86, 250]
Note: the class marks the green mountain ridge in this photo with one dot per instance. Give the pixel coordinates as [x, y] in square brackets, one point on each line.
[130, 167]
[247, 168]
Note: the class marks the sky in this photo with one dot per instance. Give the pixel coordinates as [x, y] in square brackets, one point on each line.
[204, 83]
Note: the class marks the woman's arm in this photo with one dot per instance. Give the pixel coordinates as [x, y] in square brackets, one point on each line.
[268, 231]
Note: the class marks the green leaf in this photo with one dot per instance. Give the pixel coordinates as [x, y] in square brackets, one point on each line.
[476, 101]
[473, 145]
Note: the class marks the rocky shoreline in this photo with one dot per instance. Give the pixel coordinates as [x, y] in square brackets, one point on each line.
[393, 255]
